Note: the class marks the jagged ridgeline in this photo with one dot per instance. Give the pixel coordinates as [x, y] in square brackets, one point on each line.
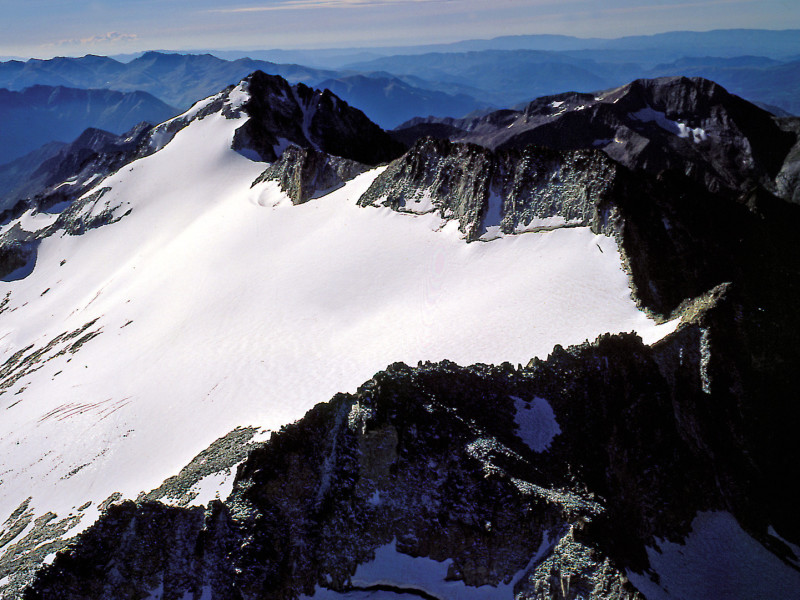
[683, 126]
[607, 470]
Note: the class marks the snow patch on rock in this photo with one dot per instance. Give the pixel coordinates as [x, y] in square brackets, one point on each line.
[717, 560]
[536, 422]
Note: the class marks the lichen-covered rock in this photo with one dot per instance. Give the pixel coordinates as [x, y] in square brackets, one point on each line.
[454, 179]
[303, 172]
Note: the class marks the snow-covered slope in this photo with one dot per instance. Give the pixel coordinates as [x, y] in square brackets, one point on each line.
[211, 304]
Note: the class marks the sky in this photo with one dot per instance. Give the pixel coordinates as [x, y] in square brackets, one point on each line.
[47, 28]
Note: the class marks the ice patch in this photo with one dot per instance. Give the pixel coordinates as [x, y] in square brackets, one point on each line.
[238, 96]
[70, 181]
[157, 593]
[422, 574]
[281, 146]
[216, 486]
[794, 548]
[719, 560]
[308, 117]
[546, 223]
[31, 220]
[536, 422]
[493, 217]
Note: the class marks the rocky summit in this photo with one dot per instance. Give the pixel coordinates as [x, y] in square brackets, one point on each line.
[676, 125]
[614, 468]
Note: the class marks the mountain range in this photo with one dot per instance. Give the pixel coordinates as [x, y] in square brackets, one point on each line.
[42, 114]
[651, 49]
[238, 344]
[393, 85]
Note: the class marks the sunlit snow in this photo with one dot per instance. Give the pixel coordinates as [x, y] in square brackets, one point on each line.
[648, 115]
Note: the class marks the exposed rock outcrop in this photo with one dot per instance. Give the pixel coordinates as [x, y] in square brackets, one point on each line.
[282, 114]
[304, 172]
[677, 124]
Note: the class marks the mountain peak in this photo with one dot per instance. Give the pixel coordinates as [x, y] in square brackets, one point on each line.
[281, 114]
[680, 124]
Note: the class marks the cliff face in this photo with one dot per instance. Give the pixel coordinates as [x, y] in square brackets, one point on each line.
[304, 172]
[495, 192]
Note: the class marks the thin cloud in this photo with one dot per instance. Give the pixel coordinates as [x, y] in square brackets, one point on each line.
[666, 7]
[312, 4]
[112, 37]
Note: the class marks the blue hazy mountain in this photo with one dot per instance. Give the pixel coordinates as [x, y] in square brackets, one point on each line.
[41, 113]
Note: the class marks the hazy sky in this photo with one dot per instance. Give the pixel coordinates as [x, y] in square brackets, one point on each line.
[45, 28]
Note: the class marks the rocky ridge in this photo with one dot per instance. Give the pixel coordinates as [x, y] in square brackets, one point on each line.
[304, 172]
[281, 114]
[677, 245]
[681, 125]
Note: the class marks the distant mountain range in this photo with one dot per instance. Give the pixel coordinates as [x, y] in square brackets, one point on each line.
[41, 114]
[649, 49]
[507, 77]
[390, 101]
[177, 79]
[392, 85]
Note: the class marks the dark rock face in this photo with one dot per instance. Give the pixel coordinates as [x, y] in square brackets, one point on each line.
[481, 189]
[689, 126]
[302, 172]
[456, 177]
[281, 114]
